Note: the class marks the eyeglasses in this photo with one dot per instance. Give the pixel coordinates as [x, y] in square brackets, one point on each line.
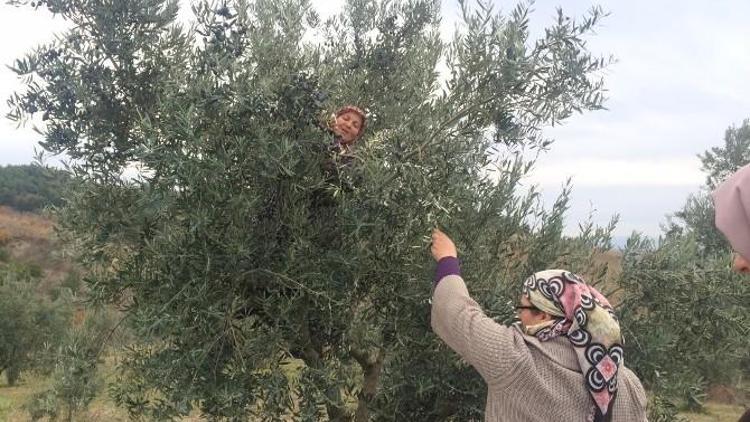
[529, 307]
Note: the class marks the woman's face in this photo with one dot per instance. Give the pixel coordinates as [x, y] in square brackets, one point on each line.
[530, 317]
[740, 264]
[348, 126]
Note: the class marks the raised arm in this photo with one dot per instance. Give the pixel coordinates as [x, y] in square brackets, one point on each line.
[491, 348]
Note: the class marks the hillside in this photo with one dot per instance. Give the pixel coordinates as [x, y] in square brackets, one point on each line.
[30, 239]
[31, 187]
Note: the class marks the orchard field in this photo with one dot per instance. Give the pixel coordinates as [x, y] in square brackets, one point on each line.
[209, 258]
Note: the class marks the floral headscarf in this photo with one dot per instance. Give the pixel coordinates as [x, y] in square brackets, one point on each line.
[585, 316]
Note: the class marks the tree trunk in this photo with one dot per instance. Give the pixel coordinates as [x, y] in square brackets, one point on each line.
[12, 374]
[372, 366]
[312, 356]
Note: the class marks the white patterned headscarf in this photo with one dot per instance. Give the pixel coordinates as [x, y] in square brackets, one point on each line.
[585, 316]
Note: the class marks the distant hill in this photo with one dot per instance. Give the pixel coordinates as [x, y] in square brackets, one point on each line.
[31, 187]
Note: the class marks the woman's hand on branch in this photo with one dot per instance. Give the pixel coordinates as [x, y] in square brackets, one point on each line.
[442, 245]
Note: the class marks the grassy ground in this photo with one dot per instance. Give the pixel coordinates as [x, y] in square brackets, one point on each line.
[102, 409]
[716, 412]
[13, 398]
[10, 400]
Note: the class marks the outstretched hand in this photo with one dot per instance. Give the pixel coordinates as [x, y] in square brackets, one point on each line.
[442, 245]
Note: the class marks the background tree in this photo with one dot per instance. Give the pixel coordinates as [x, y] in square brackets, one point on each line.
[30, 322]
[16, 331]
[696, 218]
[236, 254]
[75, 380]
[720, 162]
[683, 307]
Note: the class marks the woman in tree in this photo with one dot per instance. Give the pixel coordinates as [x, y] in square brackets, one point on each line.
[564, 361]
[348, 126]
[732, 204]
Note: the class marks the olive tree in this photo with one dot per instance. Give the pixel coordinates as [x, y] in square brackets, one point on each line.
[262, 275]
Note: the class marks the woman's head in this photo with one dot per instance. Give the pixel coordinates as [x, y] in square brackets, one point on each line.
[530, 315]
[732, 205]
[350, 124]
[561, 304]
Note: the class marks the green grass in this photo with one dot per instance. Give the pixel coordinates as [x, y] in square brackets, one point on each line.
[13, 398]
[103, 409]
[5, 407]
[715, 412]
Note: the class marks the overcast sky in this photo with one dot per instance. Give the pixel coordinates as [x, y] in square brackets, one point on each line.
[682, 77]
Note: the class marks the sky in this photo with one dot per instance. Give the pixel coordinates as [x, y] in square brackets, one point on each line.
[680, 79]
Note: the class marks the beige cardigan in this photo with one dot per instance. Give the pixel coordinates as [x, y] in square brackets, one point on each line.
[527, 380]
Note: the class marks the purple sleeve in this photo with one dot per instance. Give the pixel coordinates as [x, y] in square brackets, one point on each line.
[448, 265]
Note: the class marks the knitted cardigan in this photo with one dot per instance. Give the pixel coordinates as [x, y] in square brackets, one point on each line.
[527, 380]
